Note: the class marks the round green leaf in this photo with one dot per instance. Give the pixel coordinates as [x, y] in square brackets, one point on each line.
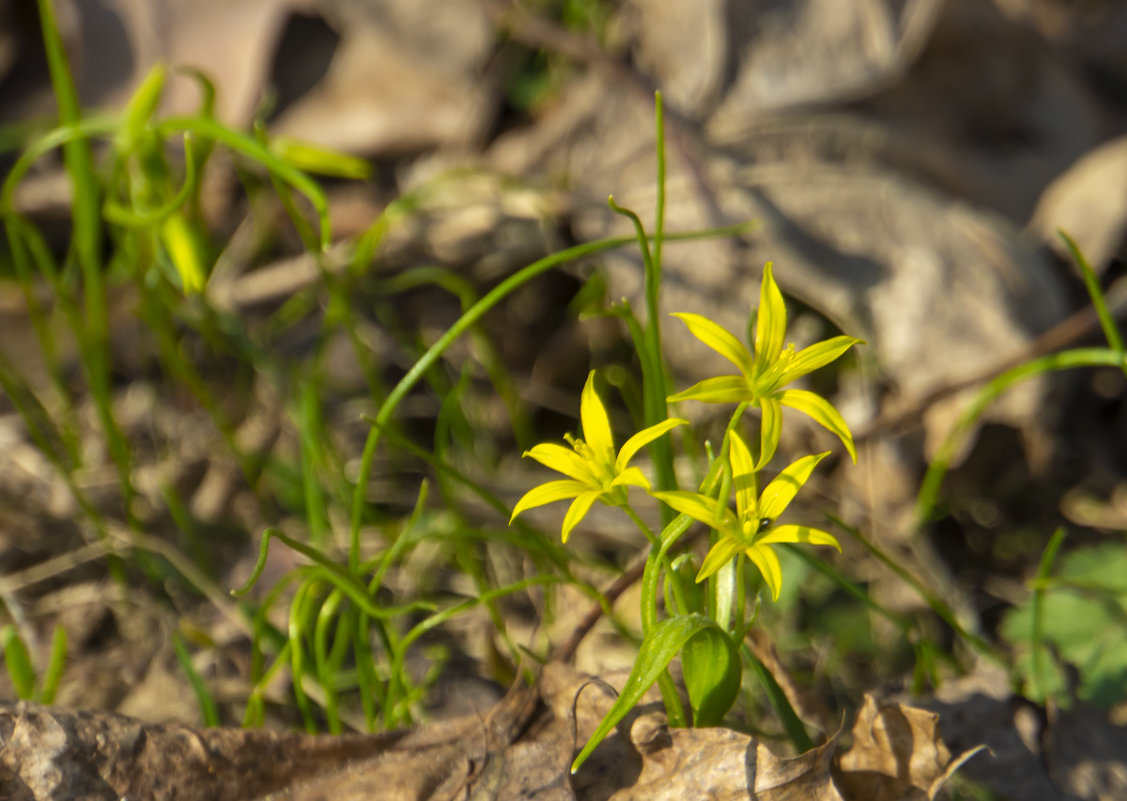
[711, 666]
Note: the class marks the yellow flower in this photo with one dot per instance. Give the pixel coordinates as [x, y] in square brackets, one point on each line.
[764, 375]
[594, 472]
[751, 528]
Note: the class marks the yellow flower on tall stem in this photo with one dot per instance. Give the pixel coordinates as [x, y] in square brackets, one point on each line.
[594, 472]
[764, 375]
[751, 529]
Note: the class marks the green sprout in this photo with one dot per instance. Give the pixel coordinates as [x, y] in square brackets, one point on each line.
[764, 375]
[594, 472]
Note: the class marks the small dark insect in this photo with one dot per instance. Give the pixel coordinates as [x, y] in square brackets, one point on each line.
[764, 524]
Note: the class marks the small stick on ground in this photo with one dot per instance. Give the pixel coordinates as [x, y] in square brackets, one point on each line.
[566, 651]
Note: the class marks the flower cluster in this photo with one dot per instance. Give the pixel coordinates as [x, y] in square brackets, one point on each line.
[596, 473]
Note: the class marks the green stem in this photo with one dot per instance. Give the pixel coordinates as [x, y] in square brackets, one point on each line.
[1065, 360]
[464, 323]
[641, 524]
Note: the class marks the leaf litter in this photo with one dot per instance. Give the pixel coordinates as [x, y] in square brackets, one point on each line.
[520, 749]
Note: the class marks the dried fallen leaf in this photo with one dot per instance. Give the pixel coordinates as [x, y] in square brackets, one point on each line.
[897, 754]
[521, 750]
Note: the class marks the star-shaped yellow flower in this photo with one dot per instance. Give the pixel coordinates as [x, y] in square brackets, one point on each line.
[763, 376]
[751, 528]
[594, 472]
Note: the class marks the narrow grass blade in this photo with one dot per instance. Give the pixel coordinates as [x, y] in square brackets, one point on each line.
[1107, 322]
[1065, 360]
[18, 661]
[1036, 638]
[56, 664]
[792, 724]
[208, 710]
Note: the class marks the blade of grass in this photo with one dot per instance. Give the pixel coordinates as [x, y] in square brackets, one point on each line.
[938, 605]
[1036, 608]
[56, 663]
[792, 724]
[1065, 360]
[208, 710]
[1107, 322]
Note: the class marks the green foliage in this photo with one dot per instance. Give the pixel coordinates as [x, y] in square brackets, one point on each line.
[21, 667]
[663, 642]
[711, 666]
[1082, 621]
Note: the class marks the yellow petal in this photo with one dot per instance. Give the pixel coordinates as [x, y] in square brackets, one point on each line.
[566, 461]
[643, 438]
[633, 477]
[720, 340]
[780, 492]
[719, 555]
[548, 493]
[596, 424]
[743, 476]
[802, 534]
[764, 559]
[577, 511]
[823, 413]
[770, 430]
[697, 506]
[770, 323]
[817, 355]
[722, 389]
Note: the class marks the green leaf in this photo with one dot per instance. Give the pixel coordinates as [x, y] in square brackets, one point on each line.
[55, 665]
[208, 710]
[663, 642]
[18, 661]
[1083, 621]
[712, 671]
[313, 158]
[142, 105]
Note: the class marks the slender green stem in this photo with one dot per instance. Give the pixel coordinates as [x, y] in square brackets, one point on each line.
[641, 524]
[653, 292]
[464, 323]
[1036, 635]
[1065, 360]
[1092, 284]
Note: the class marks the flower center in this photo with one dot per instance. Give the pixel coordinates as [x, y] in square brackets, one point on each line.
[603, 472]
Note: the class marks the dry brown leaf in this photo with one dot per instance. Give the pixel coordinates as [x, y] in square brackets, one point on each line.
[1089, 202]
[62, 754]
[806, 777]
[521, 750]
[897, 754]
